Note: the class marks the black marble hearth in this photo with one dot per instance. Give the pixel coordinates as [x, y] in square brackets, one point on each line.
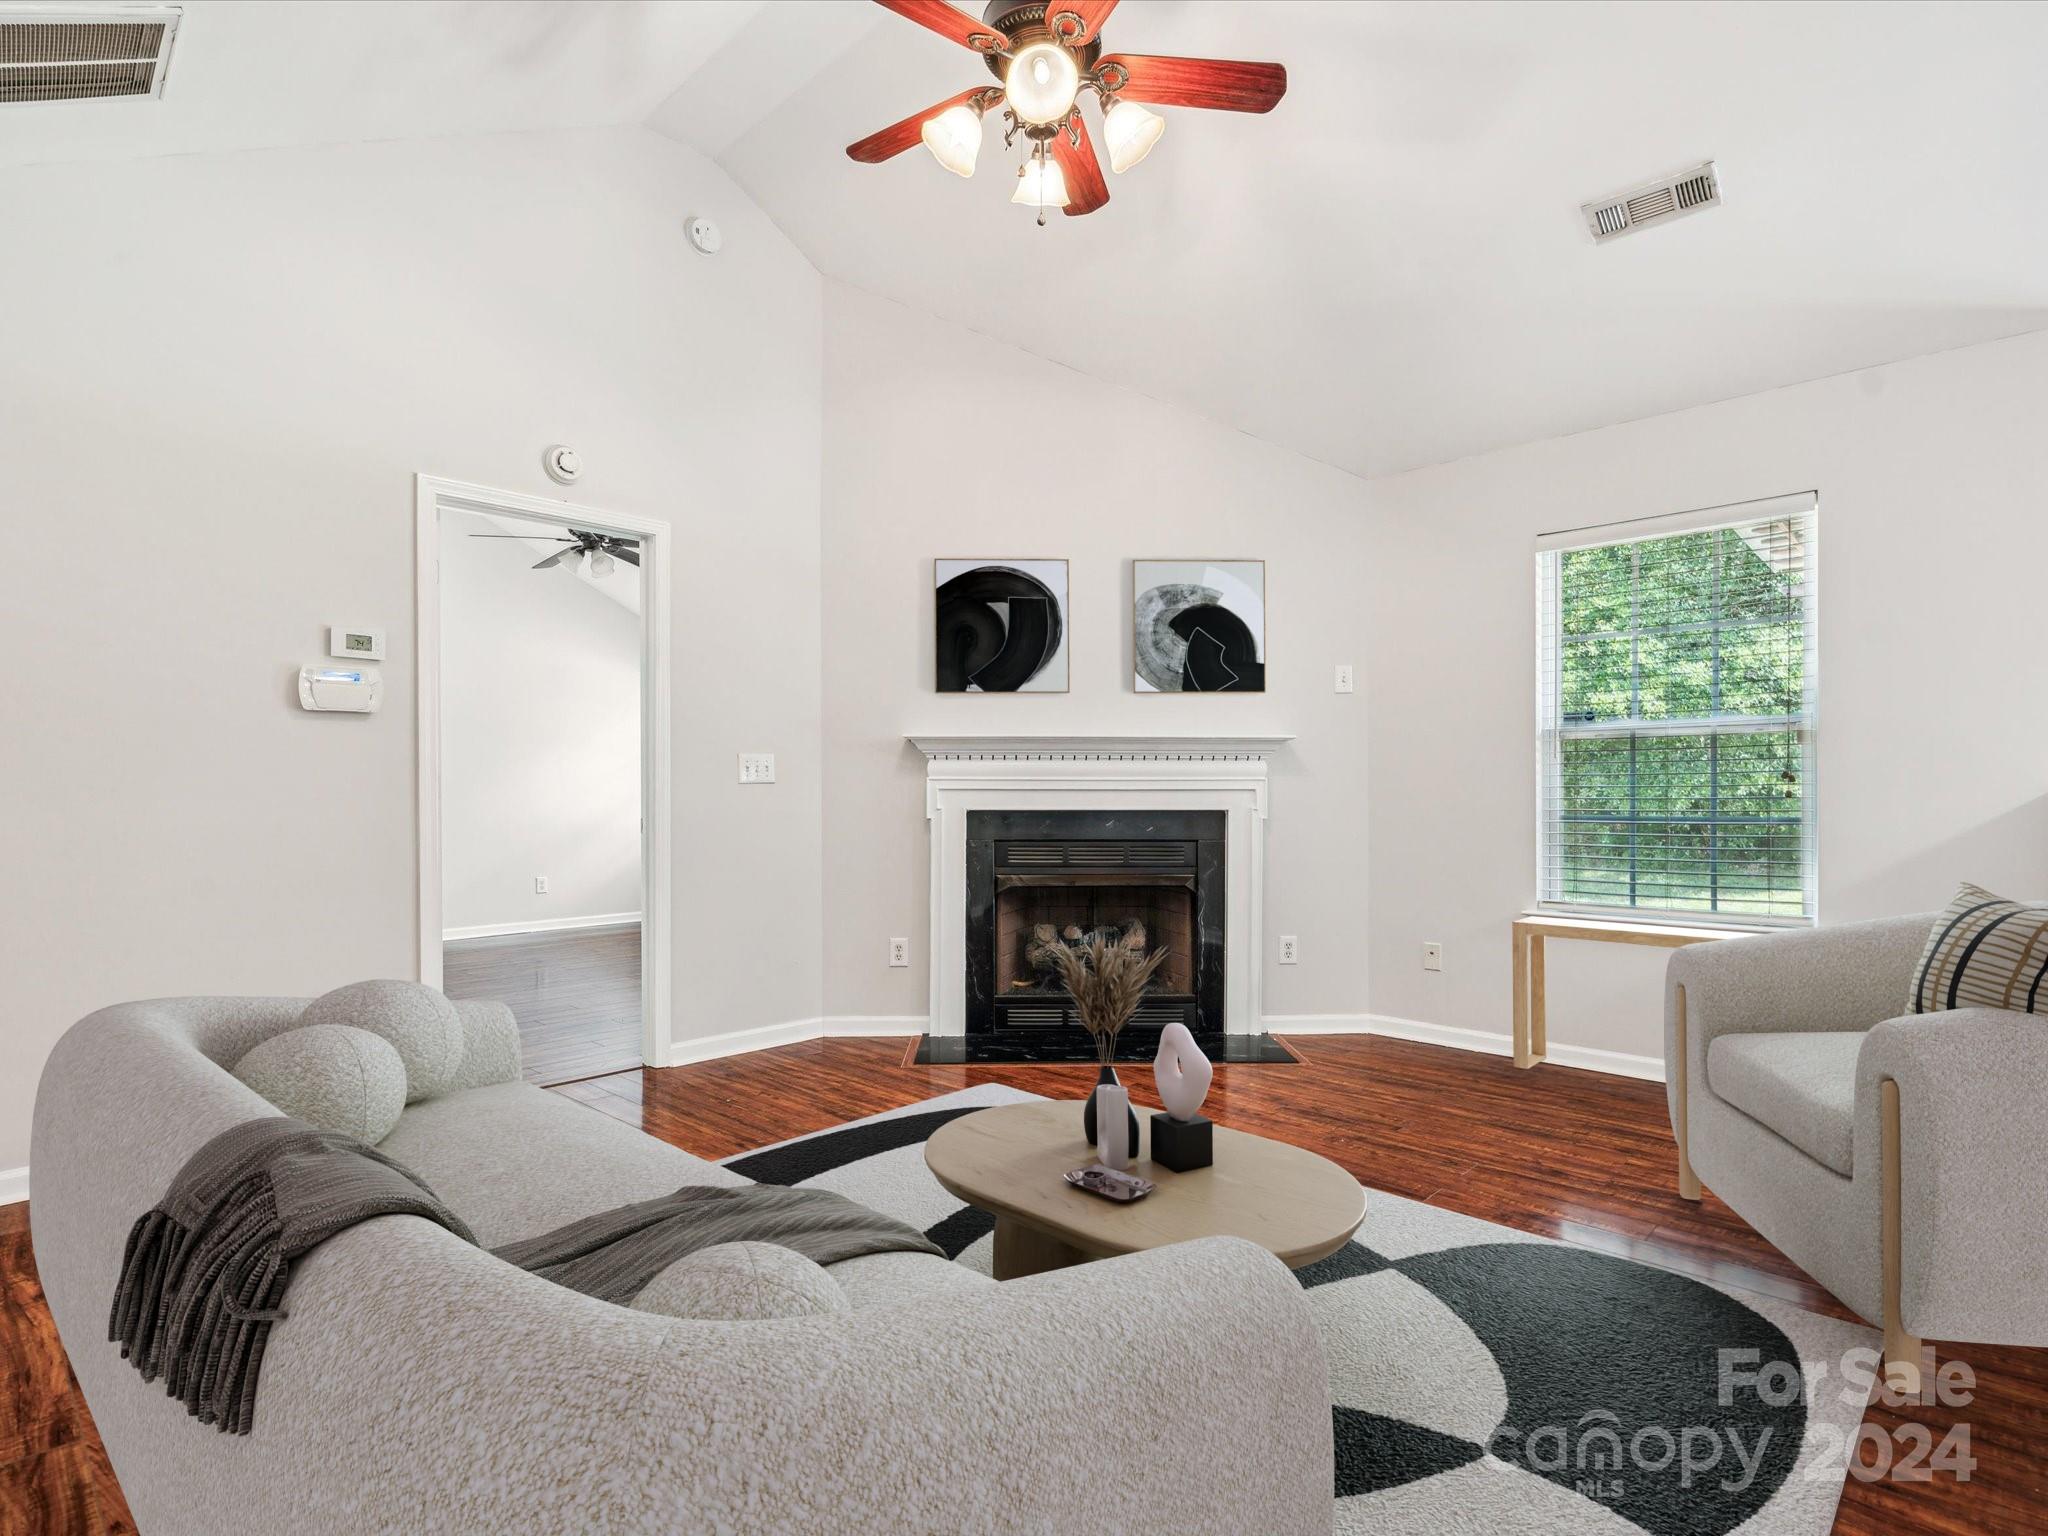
[1134, 1044]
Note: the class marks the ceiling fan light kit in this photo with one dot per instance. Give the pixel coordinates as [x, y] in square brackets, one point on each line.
[1130, 131]
[1048, 56]
[603, 550]
[1040, 185]
[954, 137]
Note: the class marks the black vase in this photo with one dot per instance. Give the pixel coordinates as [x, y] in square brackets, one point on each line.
[1107, 1074]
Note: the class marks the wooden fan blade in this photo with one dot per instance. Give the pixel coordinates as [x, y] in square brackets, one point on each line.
[1086, 190]
[898, 137]
[1225, 85]
[949, 21]
[1089, 15]
[621, 552]
[555, 559]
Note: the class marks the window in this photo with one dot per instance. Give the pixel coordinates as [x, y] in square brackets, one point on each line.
[1675, 716]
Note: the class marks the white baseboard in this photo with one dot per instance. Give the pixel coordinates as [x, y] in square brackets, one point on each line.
[737, 1042]
[13, 1185]
[542, 925]
[766, 1036]
[1585, 1058]
[855, 1025]
[1616, 1063]
[1317, 1024]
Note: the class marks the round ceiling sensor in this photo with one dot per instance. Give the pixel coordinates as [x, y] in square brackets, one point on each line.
[562, 463]
[705, 235]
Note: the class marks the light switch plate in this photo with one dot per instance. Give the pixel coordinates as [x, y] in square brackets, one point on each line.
[1289, 949]
[757, 767]
[1346, 680]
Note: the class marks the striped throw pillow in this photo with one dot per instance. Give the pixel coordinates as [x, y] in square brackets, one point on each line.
[1984, 952]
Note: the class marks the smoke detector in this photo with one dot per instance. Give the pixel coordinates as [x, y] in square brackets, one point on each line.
[1655, 202]
[85, 53]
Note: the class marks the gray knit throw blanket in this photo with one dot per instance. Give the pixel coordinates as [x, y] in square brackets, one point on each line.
[205, 1272]
[613, 1254]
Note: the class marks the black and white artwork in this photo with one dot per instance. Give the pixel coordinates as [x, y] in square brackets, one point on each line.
[1002, 626]
[1200, 626]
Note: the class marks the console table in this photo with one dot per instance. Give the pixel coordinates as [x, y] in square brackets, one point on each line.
[1531, 1037]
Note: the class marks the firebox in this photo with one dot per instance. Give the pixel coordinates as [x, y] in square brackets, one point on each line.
[1153, 879]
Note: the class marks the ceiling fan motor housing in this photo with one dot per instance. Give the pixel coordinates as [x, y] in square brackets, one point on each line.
[1026, 24]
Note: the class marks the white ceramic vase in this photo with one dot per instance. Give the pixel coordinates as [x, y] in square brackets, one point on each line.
[1113, 1147]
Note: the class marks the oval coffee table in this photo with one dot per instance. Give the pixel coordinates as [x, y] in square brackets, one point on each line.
[1008, 1160]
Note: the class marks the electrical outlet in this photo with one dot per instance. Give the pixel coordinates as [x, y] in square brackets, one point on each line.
[899, 951]
[540, 885]
[1432, 957]
[757, 767]
[1289, 949]
[1346, 681]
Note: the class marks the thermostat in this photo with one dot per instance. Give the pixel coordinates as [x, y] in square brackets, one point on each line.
[358, 644]
[350, 690]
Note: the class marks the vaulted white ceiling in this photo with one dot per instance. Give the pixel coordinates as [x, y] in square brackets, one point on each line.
[1388, 270]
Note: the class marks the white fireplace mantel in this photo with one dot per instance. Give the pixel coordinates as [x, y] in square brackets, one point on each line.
[1101, 748]
[1105, 773]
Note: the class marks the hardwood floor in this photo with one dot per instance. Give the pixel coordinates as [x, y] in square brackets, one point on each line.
[1567, 1154]
[576, 995]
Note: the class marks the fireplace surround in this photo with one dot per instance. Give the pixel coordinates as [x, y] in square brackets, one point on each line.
[1117, 793]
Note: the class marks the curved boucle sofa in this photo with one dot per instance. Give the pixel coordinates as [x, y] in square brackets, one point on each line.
[421, 1385]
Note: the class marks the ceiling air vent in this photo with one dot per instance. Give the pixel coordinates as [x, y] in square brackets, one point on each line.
[85, 54]
[1657, 203]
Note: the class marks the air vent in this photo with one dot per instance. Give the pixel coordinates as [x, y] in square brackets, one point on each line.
[85, 55]
[1658, 203]
[1084, 853]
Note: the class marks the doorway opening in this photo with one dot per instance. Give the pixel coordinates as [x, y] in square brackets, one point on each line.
[543, 772]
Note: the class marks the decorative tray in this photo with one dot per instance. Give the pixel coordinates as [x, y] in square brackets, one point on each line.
[1109, 1183]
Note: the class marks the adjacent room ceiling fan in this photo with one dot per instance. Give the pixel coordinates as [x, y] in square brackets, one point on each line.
[1045, 53]
[603, 549]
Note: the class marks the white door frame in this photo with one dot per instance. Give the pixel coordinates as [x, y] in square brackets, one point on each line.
[433, 496]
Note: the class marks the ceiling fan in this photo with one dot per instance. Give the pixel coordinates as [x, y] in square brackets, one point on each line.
[1045, 53]
[603, 549]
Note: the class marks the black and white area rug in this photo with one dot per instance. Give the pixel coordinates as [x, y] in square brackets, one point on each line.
[1485, 1380]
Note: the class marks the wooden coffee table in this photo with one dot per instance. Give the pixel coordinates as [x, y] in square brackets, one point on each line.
[1008, 1161]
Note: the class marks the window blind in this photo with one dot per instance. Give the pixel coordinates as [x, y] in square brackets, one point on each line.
[1675, 705]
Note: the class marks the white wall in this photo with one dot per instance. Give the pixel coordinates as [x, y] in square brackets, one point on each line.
[928, 444]
[218, 375]
[1933, 748]
[540, 736]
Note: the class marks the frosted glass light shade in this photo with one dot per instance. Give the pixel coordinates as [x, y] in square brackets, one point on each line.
[1040, 184]
[1041, 83]
[954, 138]
[601, 564]
[1130, 132]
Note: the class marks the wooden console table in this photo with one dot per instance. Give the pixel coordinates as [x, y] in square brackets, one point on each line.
[1531, 1036]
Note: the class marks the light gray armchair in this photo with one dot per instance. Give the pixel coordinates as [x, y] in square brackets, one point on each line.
[1900, 1159]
